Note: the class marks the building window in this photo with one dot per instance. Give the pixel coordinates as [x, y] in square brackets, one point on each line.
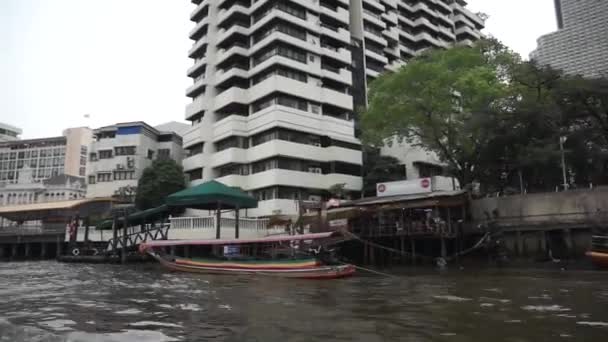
[150, 154]
[125, 150]
[105, 154]
[194, 174]
[82, 171]
[92, 179]
[83, 160]
[124, 175]
[104, 177]
[164, 153]
[93, 156]
[83, 150]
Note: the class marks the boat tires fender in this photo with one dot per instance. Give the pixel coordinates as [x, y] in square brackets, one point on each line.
[75, 252]
[95, 251]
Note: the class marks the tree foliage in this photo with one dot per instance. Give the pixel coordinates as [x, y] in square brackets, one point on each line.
[493, 118]
[159, 180]
[377, 169]
[125, 193]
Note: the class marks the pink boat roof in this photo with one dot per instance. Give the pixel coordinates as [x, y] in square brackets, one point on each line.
[167, 243]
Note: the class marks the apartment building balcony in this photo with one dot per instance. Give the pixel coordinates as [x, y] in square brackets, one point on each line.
[461, 18]
[425, 22]
[223, 55]
[221, 77]
[340, 54]
[373, 18]
[341, 75]
[198, 46]
[280, 36]
[468, 31]
[390, 3]
[479, 22]
[391, 34]
[224, 14]
[299, 179]
[199, 83]
[406, 21]
[199, 64]
[340, 14]
[277, 147]
[376, 4]
[376, 56]
[445, 6]
[466, 42]
[390, 17]
[371, 73]
[336, 98]
[197, 106]
[223, 35]
[194, 16]
[196, 31]
[193, 135]
[376, 38]
[196, 161]
[286, 117]
[229, 96]
[340, 34]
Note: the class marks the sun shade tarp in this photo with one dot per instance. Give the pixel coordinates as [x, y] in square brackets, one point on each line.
[208, 195]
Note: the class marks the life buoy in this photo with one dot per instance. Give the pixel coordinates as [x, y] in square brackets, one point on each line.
[75, 252]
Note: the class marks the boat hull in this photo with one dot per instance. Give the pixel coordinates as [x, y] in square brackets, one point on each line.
[599, 251]
[301, 272]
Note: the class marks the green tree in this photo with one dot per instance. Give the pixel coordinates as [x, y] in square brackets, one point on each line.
[337, 190]
[159, 180]
[378, 168]
[450, 102]
[126, 193]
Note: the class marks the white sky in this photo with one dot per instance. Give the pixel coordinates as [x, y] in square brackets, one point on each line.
[126, 60]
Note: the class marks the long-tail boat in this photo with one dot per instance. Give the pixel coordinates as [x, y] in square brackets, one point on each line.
[599, 251]
[270, 256]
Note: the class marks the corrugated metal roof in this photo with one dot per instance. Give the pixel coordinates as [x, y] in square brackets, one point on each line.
[58, 205]
[401, 198]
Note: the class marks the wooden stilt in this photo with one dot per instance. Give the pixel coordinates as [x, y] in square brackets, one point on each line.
[402, 249]
[218, 218]
[58, 246]
[43, 250]
[14, 250]
[28, 249]
[123, 250]
[413, 249]
[568, 242]
[236, 223]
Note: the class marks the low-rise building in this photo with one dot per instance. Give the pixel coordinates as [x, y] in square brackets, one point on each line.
[8, 132]
[27, 190]
[119, 153]
[46, 157]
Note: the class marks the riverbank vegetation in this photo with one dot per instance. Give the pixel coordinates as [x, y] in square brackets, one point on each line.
[494, 119]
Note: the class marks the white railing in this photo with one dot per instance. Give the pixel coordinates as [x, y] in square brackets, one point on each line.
[204, 228]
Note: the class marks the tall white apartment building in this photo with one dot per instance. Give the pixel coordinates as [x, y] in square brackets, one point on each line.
[580, 45]
[119, 153]
[277, 84]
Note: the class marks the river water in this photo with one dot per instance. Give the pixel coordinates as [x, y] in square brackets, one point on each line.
[49, 301]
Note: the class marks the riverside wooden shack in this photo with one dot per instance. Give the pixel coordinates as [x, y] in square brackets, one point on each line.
[426, 224]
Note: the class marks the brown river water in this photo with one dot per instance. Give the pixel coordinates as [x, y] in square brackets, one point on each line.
[49, 301]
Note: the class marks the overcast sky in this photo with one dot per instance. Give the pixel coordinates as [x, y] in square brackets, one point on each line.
[126, 60]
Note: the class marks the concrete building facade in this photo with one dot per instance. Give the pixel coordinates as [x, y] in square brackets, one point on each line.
[8, 132]
[46, 157]
[580, 45]
[119, 153]
[276, 85]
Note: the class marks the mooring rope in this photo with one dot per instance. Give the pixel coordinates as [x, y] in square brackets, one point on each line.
[404, 253]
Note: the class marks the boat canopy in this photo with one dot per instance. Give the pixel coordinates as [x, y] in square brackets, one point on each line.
[280, 238]
[210, 196]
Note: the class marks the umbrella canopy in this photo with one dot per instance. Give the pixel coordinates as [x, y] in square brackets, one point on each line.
[209, 195]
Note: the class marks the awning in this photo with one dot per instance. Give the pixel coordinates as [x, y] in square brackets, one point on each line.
[208, 195]
[49, 210]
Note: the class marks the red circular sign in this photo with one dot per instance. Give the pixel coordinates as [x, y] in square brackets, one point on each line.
[381, 188]
[425, 183]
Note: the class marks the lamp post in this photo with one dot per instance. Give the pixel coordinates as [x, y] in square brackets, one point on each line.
[562, 140]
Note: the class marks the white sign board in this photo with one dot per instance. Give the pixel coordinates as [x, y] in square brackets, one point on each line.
[338, 223]
[408, 187]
